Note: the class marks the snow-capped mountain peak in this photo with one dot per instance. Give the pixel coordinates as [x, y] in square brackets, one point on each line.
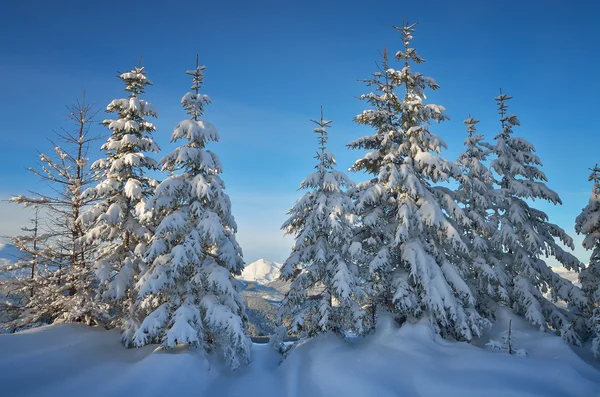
[262, 271]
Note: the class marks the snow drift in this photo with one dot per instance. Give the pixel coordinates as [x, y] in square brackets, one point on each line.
[71, 360]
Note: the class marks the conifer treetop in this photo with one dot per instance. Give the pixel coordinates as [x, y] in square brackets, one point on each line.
[135, 80]
[193, 102]
[470, 122]
[198, 132]
[322, 131]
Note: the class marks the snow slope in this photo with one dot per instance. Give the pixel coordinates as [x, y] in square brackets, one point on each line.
[261, 271]
[71, 360]
[8, 254]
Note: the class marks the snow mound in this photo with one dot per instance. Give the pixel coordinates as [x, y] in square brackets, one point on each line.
[63, 360]
[261, 271]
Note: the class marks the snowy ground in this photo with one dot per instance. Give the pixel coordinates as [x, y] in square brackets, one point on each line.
[73, 360]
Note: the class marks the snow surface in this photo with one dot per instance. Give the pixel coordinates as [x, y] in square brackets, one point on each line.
[9, 253]
[261, 271]
[71, 359]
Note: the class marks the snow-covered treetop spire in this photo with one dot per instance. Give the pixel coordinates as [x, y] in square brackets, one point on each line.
[135, 80]
[595, 177]
[508, 121]
[326, 165]
[198, 132]
[409, 53]
[193, 101]
[414, 83]
[322, 131]
[471, 159]
[470, 123]
[516, 160]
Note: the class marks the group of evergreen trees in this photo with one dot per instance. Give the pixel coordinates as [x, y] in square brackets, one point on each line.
[123, 250]
[404, 242]
[158, 258]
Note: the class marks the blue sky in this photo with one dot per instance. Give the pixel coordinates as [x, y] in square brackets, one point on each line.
[271, 64]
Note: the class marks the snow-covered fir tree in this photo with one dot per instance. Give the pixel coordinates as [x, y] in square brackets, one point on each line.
[475, 194]
[588, 224]
[118, 221]
[188, 292]
[524, 236]
[413, 249]
[325, 294]
[59, 286]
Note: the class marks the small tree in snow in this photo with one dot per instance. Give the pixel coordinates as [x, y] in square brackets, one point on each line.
[412, 245]
[324, 294]
[588, 224]
[188, 292]
[117, 222]
[524, 236]
[507, 343]
[475, 193]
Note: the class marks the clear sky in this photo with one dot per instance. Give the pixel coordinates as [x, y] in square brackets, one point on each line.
[271, 64]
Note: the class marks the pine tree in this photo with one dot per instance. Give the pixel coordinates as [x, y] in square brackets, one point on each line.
[475, 194]
[588, 224]
[412, 245]
[188, 290]
[324, 294]
[118, 221]
[61, 286]
[524, 236]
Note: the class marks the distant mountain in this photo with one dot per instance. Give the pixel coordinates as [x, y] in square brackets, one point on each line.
[568, 274]
[262, 271]
[262, 292]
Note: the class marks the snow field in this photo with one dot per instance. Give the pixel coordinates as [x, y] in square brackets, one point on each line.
[66, 360]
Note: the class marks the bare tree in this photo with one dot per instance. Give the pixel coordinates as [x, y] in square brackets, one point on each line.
[61, 282]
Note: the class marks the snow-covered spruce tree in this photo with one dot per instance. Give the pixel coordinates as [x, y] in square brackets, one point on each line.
[414, 252]
[475, 194]
[524, 236]
[325, 294]
[61, 286]
[188, 291]
[588, 224]
[117, 221]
